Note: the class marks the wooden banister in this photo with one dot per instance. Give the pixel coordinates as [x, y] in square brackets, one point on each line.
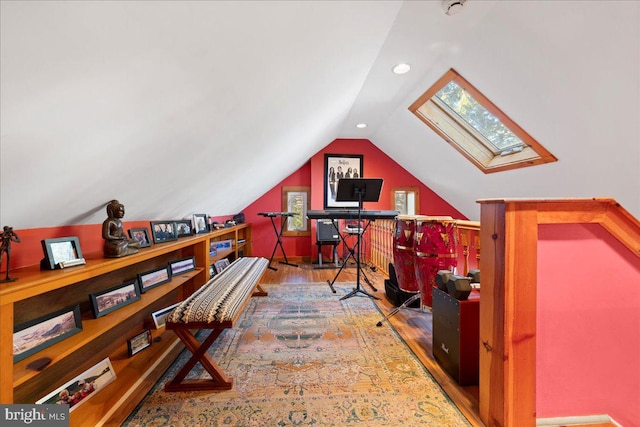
[509, 238]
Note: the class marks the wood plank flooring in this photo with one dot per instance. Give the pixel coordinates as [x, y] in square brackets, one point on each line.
[414, 326]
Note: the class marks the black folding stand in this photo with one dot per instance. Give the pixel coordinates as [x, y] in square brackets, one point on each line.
[273, 215]
[357, 190]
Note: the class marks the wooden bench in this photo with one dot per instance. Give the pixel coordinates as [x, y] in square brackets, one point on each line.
[215, 306]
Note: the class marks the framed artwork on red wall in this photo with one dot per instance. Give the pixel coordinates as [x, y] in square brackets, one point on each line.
[338, 166]
[298, 201]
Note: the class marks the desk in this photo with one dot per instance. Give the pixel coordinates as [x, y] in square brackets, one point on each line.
[272, 215]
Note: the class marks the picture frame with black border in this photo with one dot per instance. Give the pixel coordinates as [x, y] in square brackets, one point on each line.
[184, 228]
[338, 166]
[112, 299]
[59, 251]
[152, 278]
[163, 231]
[37, 334]
[160, 317]
[221, 264]
[87, 384]
[141, 235]
[139, 342]
[182, 266]
[200, 225]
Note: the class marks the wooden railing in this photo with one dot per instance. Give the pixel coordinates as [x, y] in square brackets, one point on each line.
[509, 238]
[381, 236]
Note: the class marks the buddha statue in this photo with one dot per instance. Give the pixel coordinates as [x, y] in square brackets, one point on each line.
[116, 243]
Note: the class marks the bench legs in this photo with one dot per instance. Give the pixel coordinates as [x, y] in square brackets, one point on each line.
[218, 380]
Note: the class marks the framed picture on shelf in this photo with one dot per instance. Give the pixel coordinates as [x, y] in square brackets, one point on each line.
[184, 228]
[221, 265]
[61, 252]
[141, 235]
[296, 200]
[338, 166]
[160, 316]
[151, 279]
[82, 387]
[38, 334]
[163, 231]
[200, 223]
[104, 302]
[182, 266]
[139, 342]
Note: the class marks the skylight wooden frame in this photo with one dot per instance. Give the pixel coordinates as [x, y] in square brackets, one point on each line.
[466, 140]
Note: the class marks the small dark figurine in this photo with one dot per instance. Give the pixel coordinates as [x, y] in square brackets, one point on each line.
[8, 236]
[116, 243]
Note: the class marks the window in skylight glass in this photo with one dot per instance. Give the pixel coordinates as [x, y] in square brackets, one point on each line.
[478, 129]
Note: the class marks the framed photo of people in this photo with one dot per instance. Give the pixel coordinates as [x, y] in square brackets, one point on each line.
[338, 166]
[141, 235]
[82, 387]
[200, 223]
[163, 231]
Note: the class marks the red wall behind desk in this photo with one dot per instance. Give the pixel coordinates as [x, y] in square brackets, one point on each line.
[588, 325]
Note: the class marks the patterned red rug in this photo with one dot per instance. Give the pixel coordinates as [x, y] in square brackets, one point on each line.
[303, 357]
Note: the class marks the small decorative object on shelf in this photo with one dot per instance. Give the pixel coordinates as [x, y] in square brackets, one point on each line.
[8, 236]
[61, 252]
[116, 243]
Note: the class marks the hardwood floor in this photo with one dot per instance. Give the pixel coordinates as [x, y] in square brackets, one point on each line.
[413, 326]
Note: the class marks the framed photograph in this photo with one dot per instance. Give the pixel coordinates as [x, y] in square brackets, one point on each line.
[141, 235]
[139, 342]
[61, 252]
[184, 228]
[182, 265]
[82, 387]
[338, 166]
[298, 201]
[200, 223]
[38, 334]
[221, 265]
[105, 302]
[163, 231]
[160, 316]
[151, 279]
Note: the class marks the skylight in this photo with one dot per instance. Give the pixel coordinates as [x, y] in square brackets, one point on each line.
[478, 129]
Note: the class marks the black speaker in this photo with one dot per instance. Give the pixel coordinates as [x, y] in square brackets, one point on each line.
[326, 231]
[474, 275]
[459, 287]
[442, 278]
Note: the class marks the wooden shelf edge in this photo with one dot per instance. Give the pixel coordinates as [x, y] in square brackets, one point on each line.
[93, 328]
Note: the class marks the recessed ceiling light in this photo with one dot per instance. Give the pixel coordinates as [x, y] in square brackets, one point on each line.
[361, 125]
[401, 68]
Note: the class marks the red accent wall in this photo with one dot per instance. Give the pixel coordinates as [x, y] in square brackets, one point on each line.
[588, 325]
[376, 164]
[263, 235]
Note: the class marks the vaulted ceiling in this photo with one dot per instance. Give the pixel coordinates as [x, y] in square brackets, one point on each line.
[181, 107]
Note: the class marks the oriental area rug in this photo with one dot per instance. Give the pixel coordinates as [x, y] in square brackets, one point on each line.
[303, 357]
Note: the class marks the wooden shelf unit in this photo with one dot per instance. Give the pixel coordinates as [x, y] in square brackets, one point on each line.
[39, 292]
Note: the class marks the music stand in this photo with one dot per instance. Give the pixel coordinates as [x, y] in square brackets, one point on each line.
[358, 190]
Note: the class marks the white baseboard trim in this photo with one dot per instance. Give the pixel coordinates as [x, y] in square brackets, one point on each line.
[575, 421]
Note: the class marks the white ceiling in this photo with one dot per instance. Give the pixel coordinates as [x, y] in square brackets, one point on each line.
[179, 107]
